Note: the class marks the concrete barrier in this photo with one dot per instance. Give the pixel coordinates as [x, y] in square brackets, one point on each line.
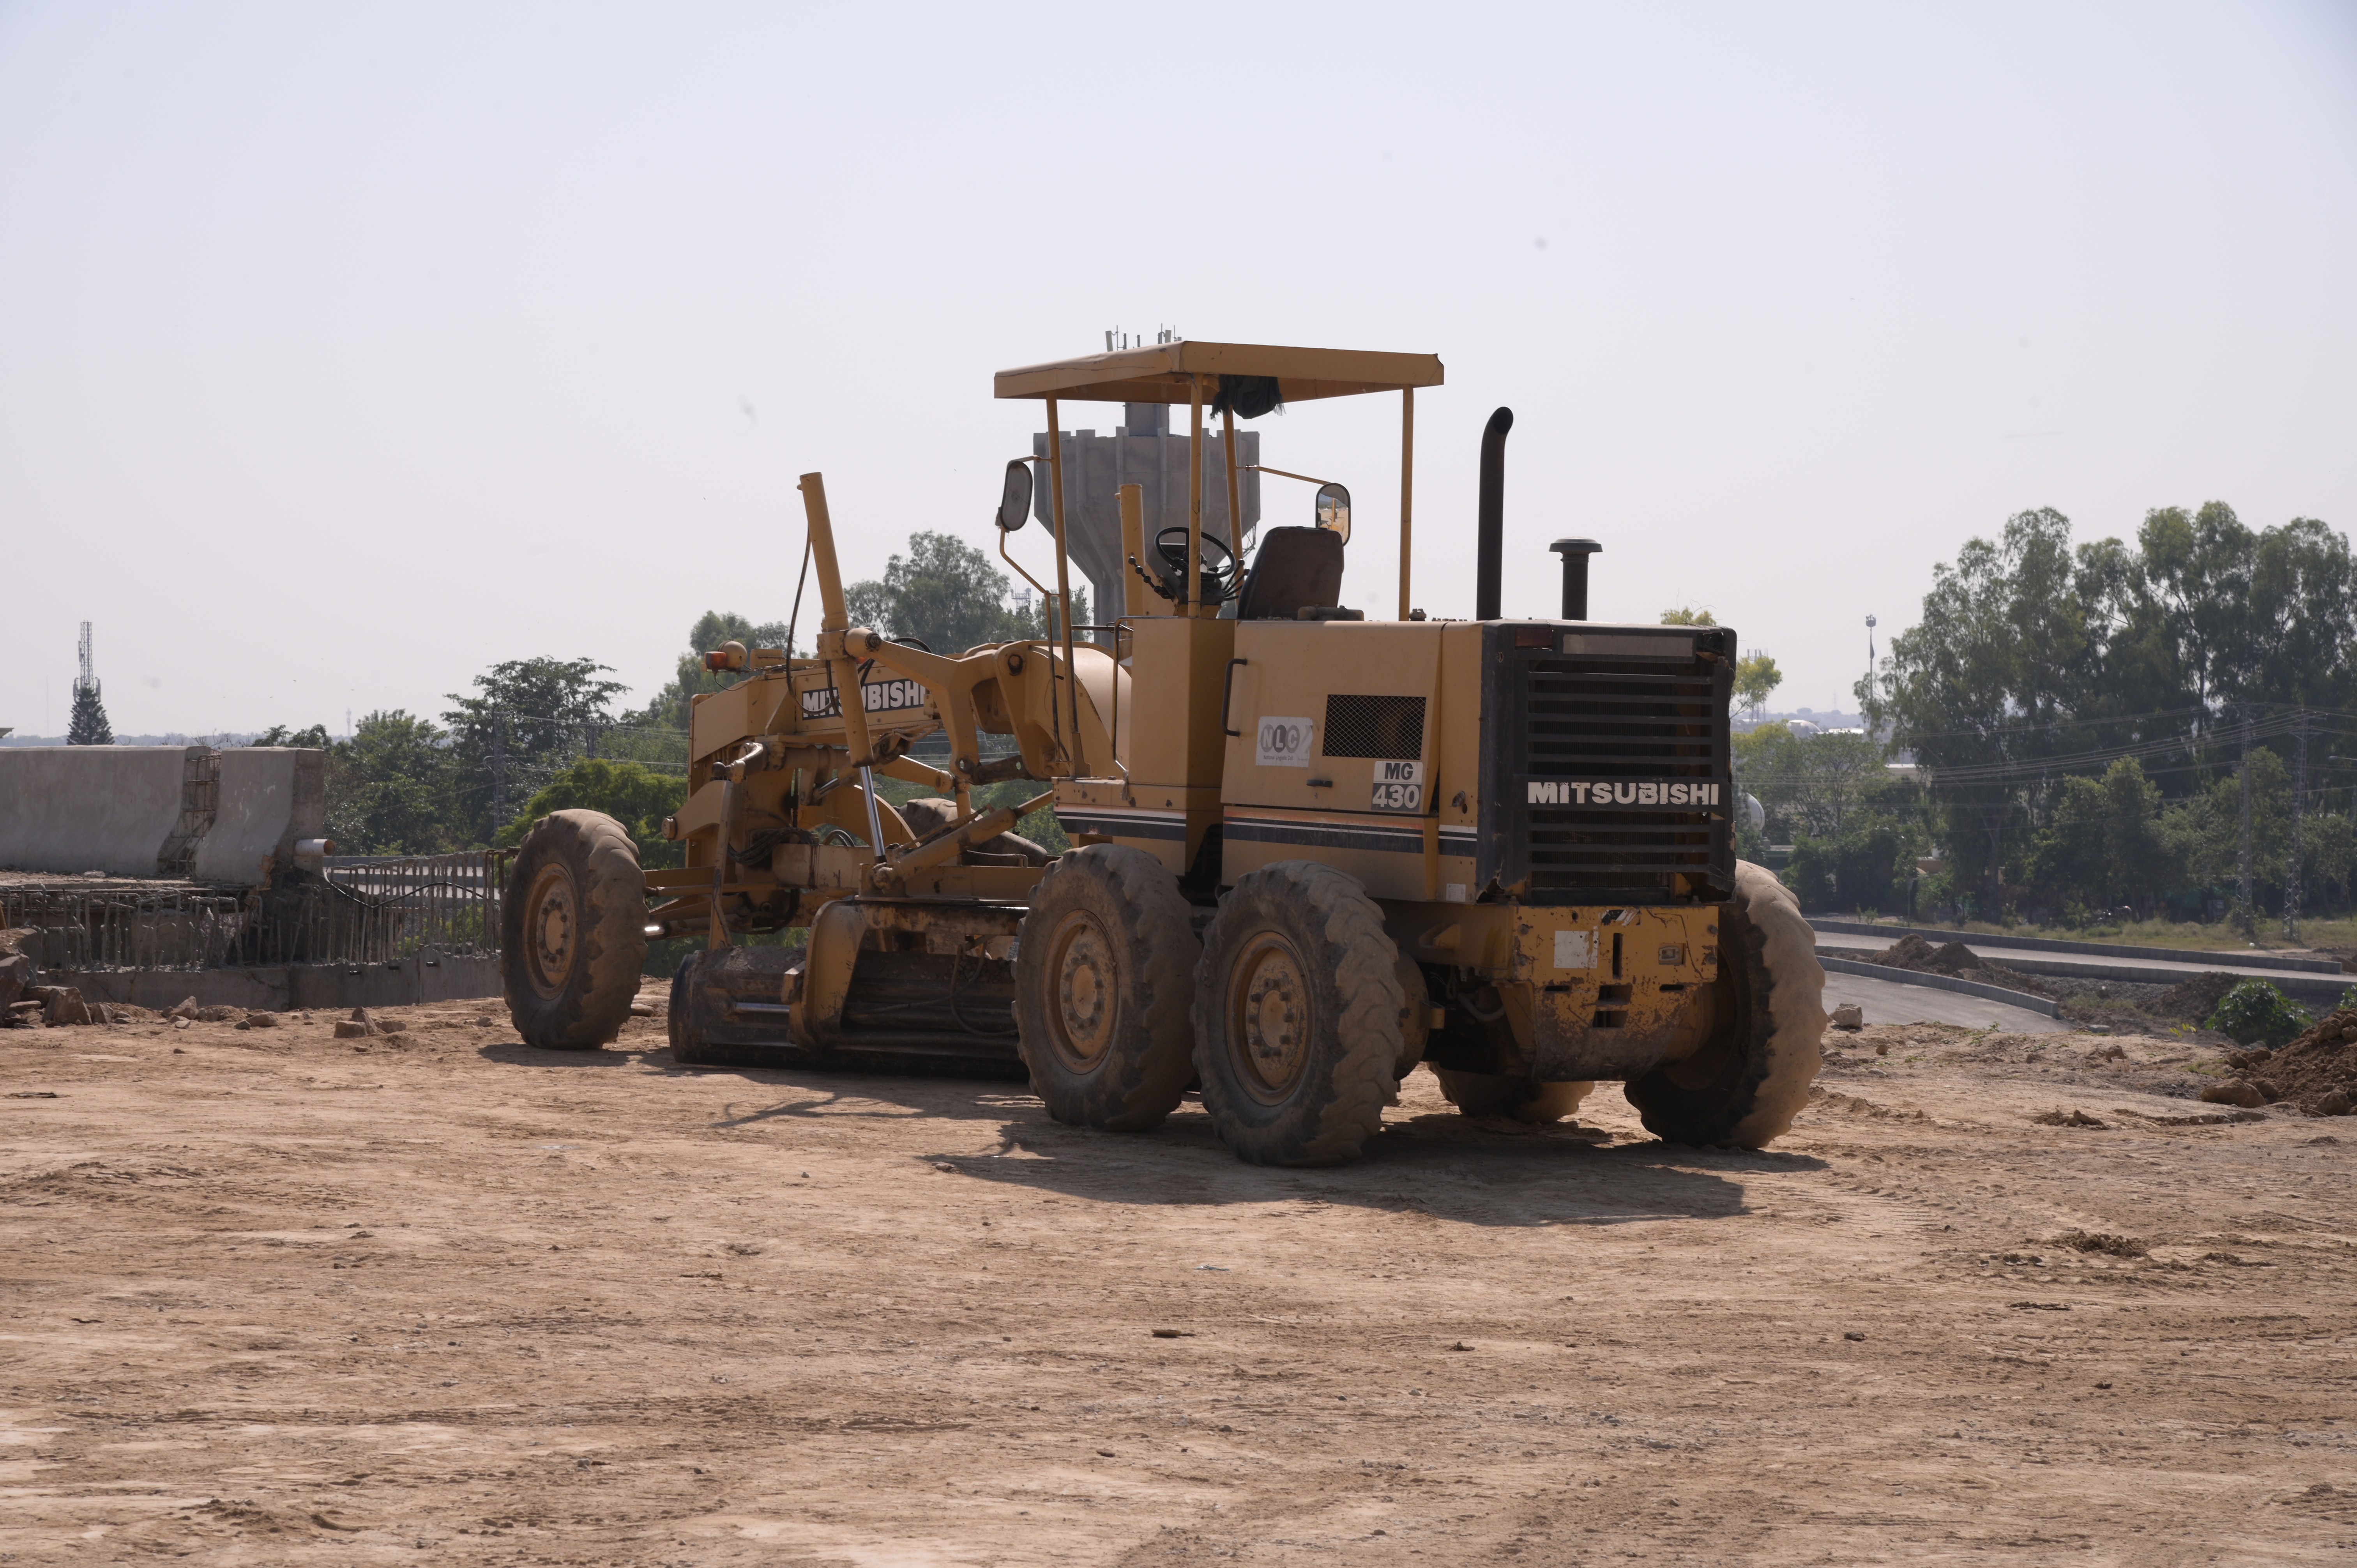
[228, 817]
[270, 796]
[71, 809]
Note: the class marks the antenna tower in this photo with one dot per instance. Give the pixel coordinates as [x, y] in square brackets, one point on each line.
[87, 679]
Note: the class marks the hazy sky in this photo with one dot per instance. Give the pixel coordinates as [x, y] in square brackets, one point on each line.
[345, 350]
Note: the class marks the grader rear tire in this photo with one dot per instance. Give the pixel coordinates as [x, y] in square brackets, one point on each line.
[573, 933]
[1299, 1016]
[1104, 967]
[1745, 1087]
[1523, 1099]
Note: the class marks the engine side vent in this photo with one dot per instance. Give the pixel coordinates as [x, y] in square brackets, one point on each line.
[1388, 728]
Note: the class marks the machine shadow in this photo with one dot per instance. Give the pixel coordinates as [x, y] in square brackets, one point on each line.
[1446, 1166]
[515, 1053]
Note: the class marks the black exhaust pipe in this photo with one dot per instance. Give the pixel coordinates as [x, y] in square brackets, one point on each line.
[1575, 554]
[1490, 550]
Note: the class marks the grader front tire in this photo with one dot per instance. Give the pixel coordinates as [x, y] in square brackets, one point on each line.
[1299, 1016]
[1103, 969]
[573, 931]
[1745, 1087]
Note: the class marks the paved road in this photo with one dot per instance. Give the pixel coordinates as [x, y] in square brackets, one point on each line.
[1895, 1002]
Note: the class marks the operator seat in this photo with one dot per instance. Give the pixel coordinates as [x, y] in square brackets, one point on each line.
[1295, 569]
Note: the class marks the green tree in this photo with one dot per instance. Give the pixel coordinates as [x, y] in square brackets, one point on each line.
[2103, 842]
[88, 724]
[1686, 615]
[389, 786]
[528, 719]
[947, 595]
[315, 738]
[1999, 657]
[1809, 784]
[637, 796]
[2138, 865]
[2030, 651]
[1866, 866]
[2068, 856]
[671, 706]
[1855, 829]
[2303, 618]
[1756, 677]
[2204, 832]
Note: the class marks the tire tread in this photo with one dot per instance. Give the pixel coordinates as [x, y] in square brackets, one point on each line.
[592, 1010]
[1153, 920]
[1334, 910]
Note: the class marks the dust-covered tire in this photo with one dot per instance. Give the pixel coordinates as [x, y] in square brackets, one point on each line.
[1747, 1084]
[1523, 1099]
[1104, 967]
[1299, 1016]
[573, 931]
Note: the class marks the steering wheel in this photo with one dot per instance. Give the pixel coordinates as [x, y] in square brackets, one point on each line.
[1219, 564]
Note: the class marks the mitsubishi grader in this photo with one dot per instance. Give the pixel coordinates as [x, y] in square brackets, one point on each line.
[1311, 849]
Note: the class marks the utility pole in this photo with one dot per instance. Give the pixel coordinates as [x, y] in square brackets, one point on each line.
[2244, 913]
[2298, 792]
[499, 775]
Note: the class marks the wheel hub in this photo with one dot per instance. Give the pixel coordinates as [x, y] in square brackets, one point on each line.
[551, 929]
[1087, 992]
[1271, 1023]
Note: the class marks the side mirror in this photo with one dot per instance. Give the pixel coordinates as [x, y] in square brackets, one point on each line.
[1334, 509]
[1015, 499]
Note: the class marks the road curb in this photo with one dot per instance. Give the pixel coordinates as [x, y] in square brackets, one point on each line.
[1938, 983]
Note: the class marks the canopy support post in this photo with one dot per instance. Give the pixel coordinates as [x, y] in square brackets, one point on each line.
[1194, 497]
[1063, 586]
[1407, 490]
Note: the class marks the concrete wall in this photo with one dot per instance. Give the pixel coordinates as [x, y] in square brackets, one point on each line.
[280, 988]
[71, 809]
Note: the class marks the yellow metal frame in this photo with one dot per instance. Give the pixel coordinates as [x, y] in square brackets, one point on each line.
[1176, 372]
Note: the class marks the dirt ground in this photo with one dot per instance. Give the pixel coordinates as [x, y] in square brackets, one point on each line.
[278, 1297]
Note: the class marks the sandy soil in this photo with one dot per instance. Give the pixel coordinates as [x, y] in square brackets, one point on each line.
[273, 1298]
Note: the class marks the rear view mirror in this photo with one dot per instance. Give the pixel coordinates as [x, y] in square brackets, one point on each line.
[1334, 509]
[1015, 501]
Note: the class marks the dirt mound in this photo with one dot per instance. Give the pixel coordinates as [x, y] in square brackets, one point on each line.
[1958, 962]
[2196, 998]
[1956, 959]
[2317, 1072]
[1910, 951]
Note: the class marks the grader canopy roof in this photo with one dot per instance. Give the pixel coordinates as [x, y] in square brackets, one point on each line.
[1164, 372]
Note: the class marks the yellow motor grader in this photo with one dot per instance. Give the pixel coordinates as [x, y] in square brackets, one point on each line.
[1312, 849]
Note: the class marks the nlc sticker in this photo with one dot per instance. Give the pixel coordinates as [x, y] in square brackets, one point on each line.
[1285, 743]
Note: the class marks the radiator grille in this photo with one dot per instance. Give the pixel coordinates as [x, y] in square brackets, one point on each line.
[1388, 728]
[1606, 721]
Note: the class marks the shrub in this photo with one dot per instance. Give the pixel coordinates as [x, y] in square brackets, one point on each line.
[2256, 1013]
